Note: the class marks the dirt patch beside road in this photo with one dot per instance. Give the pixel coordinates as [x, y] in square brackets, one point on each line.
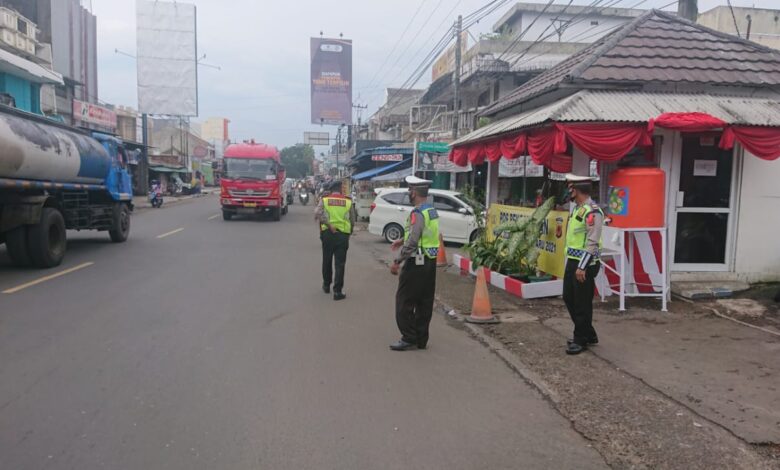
[631, 423]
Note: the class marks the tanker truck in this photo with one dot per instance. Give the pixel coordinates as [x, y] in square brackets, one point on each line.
[55, 178]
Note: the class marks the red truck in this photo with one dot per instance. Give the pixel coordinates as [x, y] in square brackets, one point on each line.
[252, 181]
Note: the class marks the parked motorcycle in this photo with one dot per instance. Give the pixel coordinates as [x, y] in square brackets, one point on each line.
[156, 195]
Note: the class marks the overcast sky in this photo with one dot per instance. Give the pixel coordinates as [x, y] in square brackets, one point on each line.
[262, 47]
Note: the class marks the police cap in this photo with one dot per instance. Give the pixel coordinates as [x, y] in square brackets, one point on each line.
[415, 182]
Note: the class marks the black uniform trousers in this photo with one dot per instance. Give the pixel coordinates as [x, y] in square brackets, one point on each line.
[579, 300]
[414, 300]
[334, 246]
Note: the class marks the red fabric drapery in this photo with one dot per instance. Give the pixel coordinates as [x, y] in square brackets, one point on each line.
[544, 149]
[607, 142]
[514, 146]
[763, 142]
[459, 156]
[686, 122]
[477, 153]
[493, 150]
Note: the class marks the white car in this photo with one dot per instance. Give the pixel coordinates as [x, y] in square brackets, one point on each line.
[391, 208]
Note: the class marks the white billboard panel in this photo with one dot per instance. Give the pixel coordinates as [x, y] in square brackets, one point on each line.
[167, 43]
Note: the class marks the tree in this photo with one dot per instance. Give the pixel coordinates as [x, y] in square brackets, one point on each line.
[298, 159]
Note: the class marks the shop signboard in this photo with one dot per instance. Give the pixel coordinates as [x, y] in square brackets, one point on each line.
[435, 157]
[390, 157]
[331, 81]
[519, 167]
[552, 242]
[88, 113]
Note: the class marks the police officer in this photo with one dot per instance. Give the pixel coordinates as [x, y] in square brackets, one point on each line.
[416, 263]
[583, 246]
[336, 218]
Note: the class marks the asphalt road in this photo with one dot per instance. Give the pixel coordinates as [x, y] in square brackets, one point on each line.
[204, 344]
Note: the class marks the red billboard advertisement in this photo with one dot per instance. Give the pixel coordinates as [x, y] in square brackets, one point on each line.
[331, 81]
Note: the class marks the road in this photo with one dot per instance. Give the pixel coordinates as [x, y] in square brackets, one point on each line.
[204, 344]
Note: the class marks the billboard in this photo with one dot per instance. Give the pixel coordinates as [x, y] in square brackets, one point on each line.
[446, 62]
[331, 81]
[166, 35]
[316, 138]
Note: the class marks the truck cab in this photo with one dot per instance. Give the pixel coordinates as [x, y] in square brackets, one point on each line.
[252, 181]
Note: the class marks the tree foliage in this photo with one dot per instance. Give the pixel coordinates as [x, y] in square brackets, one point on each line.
[298, 159]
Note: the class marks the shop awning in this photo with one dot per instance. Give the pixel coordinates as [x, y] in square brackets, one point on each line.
[166, 169]
[378, 171]
[606, 125]
[28, 70]
[394, 176]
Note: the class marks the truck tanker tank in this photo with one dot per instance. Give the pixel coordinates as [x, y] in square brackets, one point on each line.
[35, 148]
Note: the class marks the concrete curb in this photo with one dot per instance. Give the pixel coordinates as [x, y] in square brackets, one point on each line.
[532, 290]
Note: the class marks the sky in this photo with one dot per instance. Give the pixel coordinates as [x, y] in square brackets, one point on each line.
[262, 50]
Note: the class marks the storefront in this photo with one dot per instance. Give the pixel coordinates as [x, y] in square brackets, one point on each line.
[717, 147]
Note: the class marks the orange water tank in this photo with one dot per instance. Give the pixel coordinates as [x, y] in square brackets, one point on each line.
[637, 197]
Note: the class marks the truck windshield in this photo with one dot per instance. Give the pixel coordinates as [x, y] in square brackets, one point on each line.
[245, 168]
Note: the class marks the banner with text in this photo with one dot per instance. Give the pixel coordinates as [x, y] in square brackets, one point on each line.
[519, 167]
[435, 156]
[331, 81]
[552, 242]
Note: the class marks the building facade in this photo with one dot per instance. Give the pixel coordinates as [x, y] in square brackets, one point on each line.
[26, 76]
[696, 113]
[71, 30]
[760, 25]
[216, 131]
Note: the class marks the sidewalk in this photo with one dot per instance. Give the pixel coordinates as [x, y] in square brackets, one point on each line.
[142, 202]
[685, 389]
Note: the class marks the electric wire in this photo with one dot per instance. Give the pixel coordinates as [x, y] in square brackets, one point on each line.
[395, 46]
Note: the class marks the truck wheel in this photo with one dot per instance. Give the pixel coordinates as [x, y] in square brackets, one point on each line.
[120, 230]
[276, 214]
[46, 240]
[227, 215]
[16, 245]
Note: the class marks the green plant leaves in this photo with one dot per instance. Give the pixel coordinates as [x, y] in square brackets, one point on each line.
[514, 249]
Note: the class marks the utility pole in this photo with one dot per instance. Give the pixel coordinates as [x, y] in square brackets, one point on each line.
[359, 112]
[143, 184]
[688, 9]
[456, 78]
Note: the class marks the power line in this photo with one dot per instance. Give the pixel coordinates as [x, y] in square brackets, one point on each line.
[420, 30]
[476, 17]
[734, 17]
[395, 46]
[540, 38]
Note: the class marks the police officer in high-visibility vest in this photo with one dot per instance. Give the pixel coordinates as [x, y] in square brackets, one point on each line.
[583, 246]
[336, 215]
[416, 263]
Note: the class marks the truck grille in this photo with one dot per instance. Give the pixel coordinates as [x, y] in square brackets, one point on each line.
[249, 193]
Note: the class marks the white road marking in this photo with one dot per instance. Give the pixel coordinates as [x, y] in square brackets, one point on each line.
[214, 216]
[47, 278]
[172, 232]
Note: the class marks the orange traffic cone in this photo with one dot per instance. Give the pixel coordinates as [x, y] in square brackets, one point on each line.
[481, 311]
[441, 258]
